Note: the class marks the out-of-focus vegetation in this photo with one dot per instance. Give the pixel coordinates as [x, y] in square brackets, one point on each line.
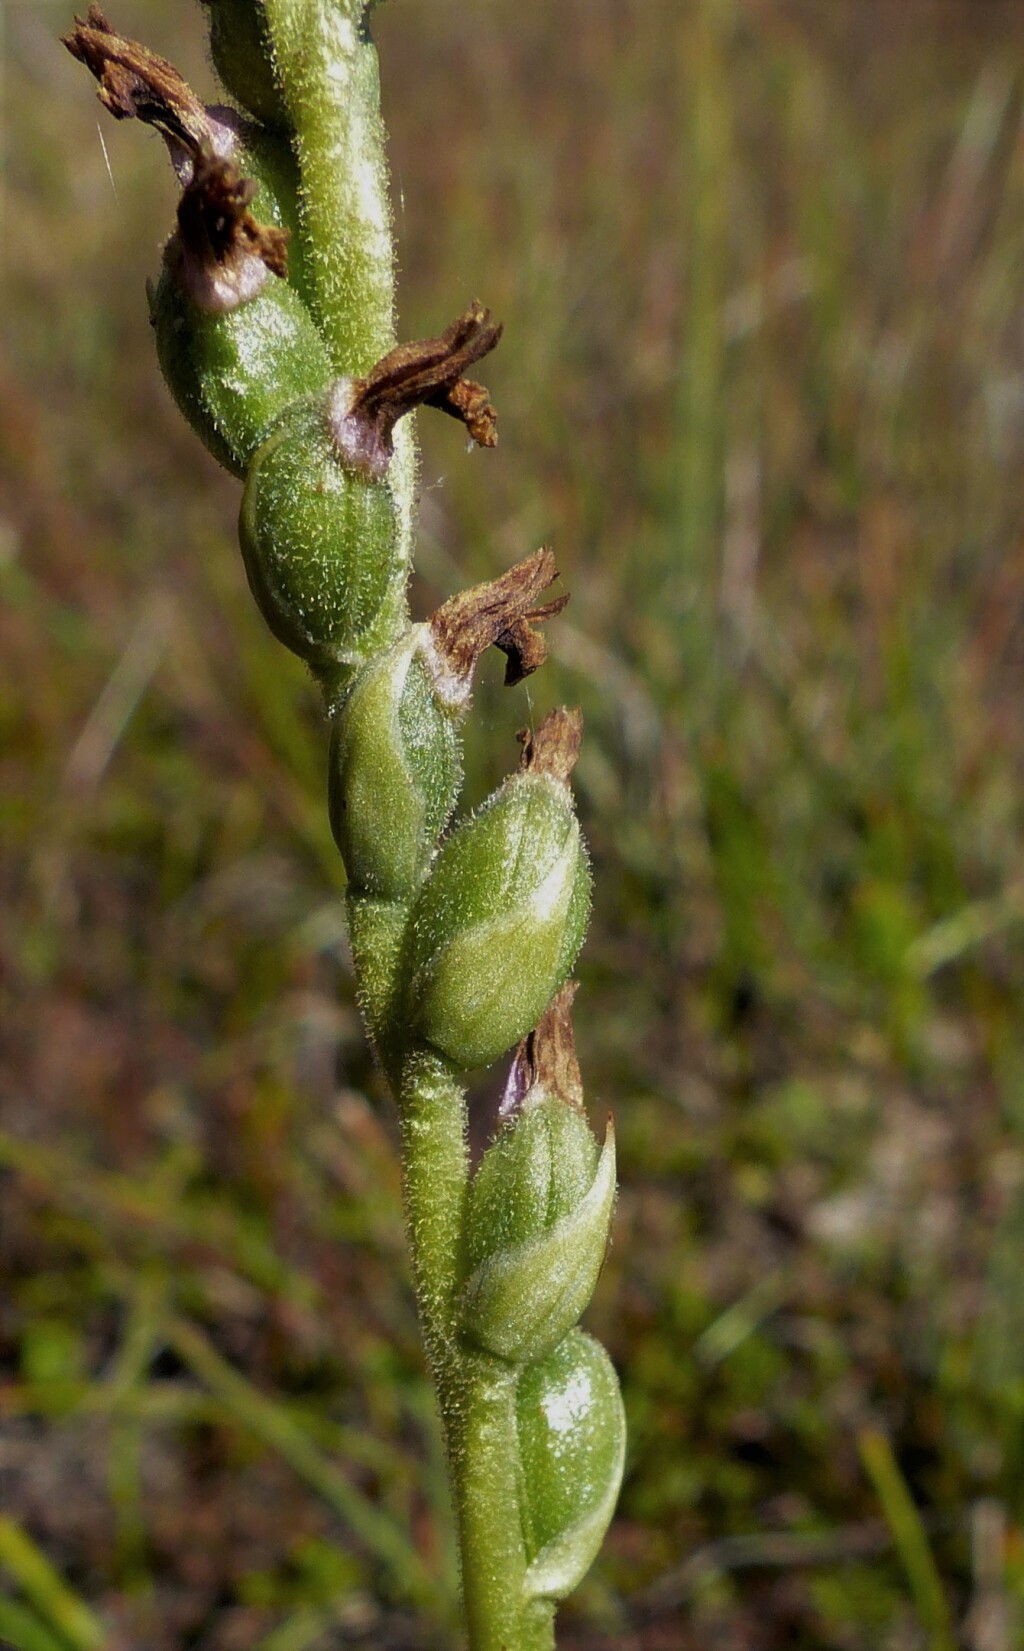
[762, 386]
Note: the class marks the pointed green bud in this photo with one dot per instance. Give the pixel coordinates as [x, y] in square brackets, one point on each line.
[499, 922]
[240, 47]
[540, 1204]
[572, 1445]
[394, 770]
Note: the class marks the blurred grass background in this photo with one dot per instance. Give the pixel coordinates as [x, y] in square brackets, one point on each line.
[762, 387]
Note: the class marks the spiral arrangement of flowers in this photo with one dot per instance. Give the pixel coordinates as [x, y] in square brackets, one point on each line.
[273, 315]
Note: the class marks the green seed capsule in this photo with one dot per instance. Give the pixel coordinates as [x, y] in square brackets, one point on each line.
[240, 46]
[394, 771]
[572, 1444]
[537, 1230]
[499, 921]
[233, 374]
[234, 363]
[319, 540]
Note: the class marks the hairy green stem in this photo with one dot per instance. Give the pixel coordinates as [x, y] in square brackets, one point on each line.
[326, 68]
[476, 1393]
[376, 929]
[479, 1401]
[325, 65]
[436, 1164]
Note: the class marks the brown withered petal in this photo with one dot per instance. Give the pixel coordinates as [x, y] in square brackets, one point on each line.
[220, 252]
[501, 613]
[469, 401]
[136, 84]
[545, 1060]
[428, 373]
[554, 748]
[218, 235]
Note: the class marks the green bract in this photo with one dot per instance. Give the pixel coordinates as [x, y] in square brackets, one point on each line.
[499, 922]
[232, 375]
[537, 1171]
[394, 750]
[572, 1441]
[540, 1235]
[319, 540]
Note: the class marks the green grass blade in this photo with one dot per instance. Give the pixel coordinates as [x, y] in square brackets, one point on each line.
[116, 1201]
[22, 1629]
[297, 1632]
[48, 1592]
[909, 1535]
[379, 1533]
